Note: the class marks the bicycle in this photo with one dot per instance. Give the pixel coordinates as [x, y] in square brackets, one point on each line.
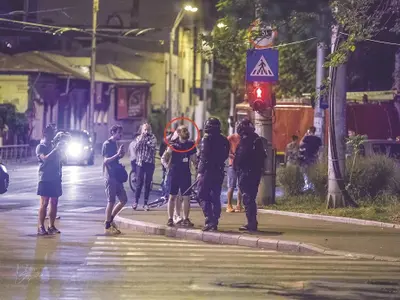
[163, 200]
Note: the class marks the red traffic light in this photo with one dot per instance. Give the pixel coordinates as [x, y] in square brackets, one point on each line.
[260, 96]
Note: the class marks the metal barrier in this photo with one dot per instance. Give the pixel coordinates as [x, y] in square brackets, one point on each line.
[16, 153]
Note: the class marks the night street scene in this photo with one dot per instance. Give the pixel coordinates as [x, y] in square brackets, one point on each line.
[200, 149]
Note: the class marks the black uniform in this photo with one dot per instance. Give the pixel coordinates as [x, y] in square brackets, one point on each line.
[214, 151]
[249, 163]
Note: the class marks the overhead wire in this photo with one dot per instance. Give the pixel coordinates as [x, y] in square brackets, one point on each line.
[17, 12]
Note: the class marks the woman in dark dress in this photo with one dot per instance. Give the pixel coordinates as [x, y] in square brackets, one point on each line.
[50, 169]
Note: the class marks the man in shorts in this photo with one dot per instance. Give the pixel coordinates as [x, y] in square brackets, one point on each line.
[113, 187]
[177, 161]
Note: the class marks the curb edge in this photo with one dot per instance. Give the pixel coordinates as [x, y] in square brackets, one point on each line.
[241, 240]
[335, 219]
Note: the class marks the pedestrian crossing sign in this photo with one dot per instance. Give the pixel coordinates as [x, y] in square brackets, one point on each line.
[262, 65]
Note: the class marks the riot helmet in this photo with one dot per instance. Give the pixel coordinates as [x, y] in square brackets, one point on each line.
[245, 127]
[213, 125]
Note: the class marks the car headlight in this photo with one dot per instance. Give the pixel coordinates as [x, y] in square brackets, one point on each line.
[3, 167]
[74, 149]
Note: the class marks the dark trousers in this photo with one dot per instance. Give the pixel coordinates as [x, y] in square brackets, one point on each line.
[248, 185]
[144, 176]
[209, 192]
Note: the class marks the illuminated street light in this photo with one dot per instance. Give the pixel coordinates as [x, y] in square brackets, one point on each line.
[221, 25]
[179, 18]
[191, 8]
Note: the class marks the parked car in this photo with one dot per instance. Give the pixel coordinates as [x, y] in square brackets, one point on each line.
[80, 148]
[4, 179]
[383, 147]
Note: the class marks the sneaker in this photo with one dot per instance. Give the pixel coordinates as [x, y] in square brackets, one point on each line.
[42, 231]
[210, 227]
[187, 223]
[170, 223]
[248, 228]
[115, 228]
[134, 206]
[146, 207]
[229, 209]
[53, 230]
[178, 220]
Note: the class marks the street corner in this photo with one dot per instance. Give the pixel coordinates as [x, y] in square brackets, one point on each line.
[312, 249]
[288, 246]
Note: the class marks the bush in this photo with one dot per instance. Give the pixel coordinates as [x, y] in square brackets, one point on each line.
[372, 176]
[318, 176]
[394, 188]
[291, 179]
[368, 178]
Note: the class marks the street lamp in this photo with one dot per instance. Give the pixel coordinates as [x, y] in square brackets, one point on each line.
[221, 25]
[178, 20]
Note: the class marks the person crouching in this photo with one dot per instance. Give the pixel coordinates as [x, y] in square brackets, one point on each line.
[177, 160]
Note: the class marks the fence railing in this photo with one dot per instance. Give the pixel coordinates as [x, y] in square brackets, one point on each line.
[17, 153]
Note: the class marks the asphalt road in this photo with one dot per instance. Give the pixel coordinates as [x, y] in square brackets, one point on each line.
[82, 263]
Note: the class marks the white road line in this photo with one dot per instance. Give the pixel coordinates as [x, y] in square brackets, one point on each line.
[85, 209]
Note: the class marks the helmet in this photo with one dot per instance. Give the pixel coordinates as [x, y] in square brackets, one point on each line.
[212, 125]
[245, 127]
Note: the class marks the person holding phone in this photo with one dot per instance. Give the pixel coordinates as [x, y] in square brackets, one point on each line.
[145, 149]
[113, 186]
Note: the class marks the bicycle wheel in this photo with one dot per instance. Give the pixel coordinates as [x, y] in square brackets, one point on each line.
[132, 181]
[158, 202]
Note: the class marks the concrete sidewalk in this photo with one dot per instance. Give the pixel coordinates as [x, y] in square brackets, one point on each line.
[319, 236]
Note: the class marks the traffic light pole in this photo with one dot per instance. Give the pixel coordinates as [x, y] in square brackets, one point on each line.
[263, 124]
[319, 113]
[266, 189]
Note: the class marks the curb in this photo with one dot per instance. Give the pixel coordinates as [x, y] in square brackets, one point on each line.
[240, 240]
[330, 218]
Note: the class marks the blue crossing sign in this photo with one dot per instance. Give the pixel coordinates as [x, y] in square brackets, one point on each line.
[262, 65]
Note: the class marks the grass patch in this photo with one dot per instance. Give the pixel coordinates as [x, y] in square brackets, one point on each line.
[383, 209]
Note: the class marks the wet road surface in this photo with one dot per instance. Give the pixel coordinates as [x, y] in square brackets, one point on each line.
[82, 263]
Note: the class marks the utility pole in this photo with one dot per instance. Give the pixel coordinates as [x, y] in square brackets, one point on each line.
[263, 124]
[337, 132]
[90, 122]
[319, 112]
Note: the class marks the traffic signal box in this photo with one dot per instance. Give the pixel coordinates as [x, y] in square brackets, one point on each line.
[261, 96]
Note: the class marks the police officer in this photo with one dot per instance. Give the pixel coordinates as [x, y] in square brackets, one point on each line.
[249, 163]
[214, 151]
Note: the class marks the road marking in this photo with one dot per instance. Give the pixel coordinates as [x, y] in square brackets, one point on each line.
[85, 209]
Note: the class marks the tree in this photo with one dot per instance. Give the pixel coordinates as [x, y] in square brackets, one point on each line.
[357, 20]
[13, 122]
